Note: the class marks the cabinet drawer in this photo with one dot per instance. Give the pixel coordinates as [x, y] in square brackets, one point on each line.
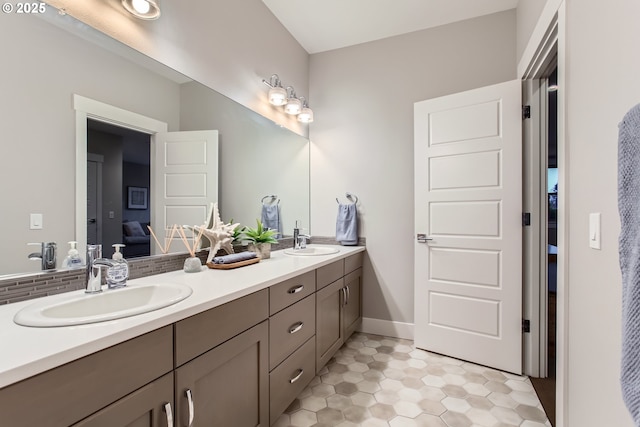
[202, 332]
[291, 377]
[293, 290]
[353, 262]
[71, 392]
[329, 273]
[290, 328]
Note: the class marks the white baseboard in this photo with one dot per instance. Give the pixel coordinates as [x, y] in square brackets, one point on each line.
[387, 328]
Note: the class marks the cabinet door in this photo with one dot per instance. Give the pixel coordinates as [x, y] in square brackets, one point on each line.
[228, 385]
[353, 303]
[150, 406]
[329, 325]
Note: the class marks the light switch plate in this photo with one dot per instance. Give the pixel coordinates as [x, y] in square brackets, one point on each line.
[594, 230]
[35, 221]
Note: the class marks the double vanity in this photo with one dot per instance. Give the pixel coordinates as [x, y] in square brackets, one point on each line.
[235, 352]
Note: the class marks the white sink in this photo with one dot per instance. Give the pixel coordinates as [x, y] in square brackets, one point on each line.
[312, 250]
[78, 308]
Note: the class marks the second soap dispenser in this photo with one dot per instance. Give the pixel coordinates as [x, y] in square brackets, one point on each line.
[118, 274]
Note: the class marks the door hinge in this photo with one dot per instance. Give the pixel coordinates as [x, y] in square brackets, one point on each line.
[526, 112]
[526, 219]
[526, 326]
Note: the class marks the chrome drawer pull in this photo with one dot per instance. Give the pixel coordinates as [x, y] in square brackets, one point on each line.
[167, 409]
[296, 289]
[295, 328]
[297, 377]
[191, 408]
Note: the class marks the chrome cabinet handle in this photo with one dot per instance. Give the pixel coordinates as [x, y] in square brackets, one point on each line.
[422, 238]
[191, 408]
[167, 410]
[297, 377]
[348, 291]
[296, 289]
[344, 296]
[295, 328]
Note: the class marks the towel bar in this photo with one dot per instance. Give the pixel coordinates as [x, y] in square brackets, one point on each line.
[273, 197]
[349, 196]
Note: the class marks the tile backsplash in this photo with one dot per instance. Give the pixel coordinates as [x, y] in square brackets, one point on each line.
[29, 286]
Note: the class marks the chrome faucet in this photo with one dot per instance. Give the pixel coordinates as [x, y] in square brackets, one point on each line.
[94, 264]
[47, 255]
[299, 240]
[302, 241]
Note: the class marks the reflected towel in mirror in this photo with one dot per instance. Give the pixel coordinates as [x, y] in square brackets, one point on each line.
[271, 218]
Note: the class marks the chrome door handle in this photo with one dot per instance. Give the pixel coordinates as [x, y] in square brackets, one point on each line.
[191, 408]
[297, 377]
[167, 409]
[296, 289]
[296, 327]
[422, 238]
[348, 292]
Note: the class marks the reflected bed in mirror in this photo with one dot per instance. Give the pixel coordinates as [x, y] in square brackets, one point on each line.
[49, 64]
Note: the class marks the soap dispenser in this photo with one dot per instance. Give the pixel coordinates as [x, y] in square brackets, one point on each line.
[118, 273]
[73, 259]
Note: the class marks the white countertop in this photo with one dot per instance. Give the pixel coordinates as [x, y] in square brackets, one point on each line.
[28, 351]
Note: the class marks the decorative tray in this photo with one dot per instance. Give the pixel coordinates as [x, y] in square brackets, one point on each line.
[233, 264]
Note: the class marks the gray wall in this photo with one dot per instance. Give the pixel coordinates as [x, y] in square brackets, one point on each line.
[362, 139]
[602, 69]
[527, 15]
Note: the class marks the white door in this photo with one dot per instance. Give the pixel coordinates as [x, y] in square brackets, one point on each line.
[468, 185]
[185, 181]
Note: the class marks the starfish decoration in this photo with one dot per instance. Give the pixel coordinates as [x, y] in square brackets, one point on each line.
[219, 234]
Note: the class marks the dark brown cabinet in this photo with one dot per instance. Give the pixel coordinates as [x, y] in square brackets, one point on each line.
[239, 364]
[352, 307]
[150, 406]
[338, 306]
[69, 393]
[228, 385]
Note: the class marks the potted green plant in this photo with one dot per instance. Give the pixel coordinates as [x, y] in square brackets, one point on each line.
[260, 239]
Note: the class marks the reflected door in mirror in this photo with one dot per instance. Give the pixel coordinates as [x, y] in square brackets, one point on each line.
[94, 198]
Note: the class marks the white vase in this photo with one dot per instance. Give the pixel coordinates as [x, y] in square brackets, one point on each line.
[263, 250]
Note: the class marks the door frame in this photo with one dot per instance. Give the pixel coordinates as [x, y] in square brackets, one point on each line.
[550, 31]
[87, 108]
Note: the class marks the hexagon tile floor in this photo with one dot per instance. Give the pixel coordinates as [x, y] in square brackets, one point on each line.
[378, 381]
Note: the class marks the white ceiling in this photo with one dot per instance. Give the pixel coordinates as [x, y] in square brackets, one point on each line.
[321, 25]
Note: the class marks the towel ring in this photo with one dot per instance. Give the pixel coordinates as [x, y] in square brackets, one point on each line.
[349, 196]
[272, 197]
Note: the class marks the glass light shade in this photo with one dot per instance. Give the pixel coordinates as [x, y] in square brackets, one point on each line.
[143, 9]
[293, 106]
[306, 115]
[277, 96]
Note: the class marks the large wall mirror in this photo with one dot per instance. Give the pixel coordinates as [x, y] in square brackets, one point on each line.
[49, 60]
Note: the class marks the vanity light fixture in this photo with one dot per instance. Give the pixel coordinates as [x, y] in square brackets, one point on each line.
[294, 105]
[143, 9]
[277, 94]
[306, 114]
